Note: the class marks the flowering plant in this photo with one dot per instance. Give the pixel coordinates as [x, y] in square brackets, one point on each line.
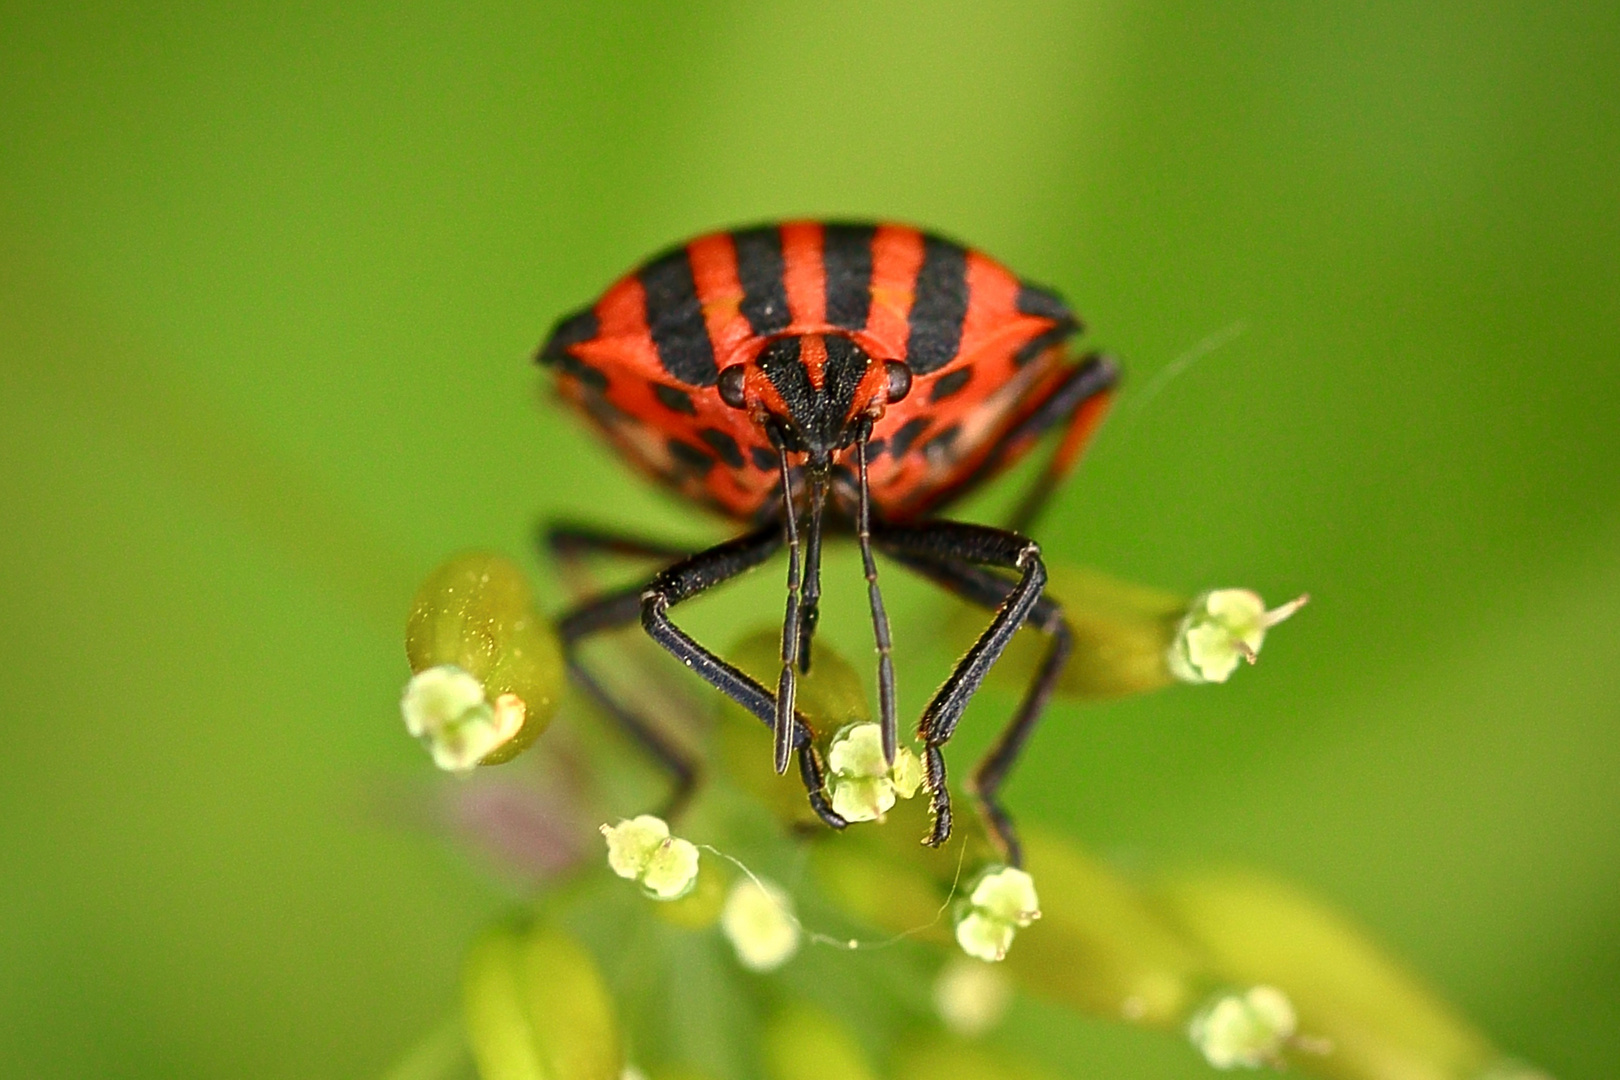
[740, 939]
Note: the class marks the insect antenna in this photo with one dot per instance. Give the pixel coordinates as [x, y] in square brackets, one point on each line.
[786, 686]
[811, 603]
[880, 617]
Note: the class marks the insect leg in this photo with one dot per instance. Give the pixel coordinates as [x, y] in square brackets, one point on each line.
[955, 541]
[978, 586]
[569, 545]
[1078, 403]
[1075, 399]
[694, 575]
[570, 542]
[888, 726]
[610, 612]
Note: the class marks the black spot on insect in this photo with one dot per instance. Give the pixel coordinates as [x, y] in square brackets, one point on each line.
[940, 445]
[690, 458]
[589, 377]
[907, 435]
[674, 400]
[1040, 343]
[724, 445]
[765, 459]
[875, 448]
[606, 413]
[1045, 304]
[946, 385]
[570, 330]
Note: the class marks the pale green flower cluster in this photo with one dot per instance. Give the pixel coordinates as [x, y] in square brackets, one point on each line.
[447, 709]
[1247, 1029]
[864, 786]
[759, 922]
[1002, 902]
[642, 850]
[1222, 627]
[589, 977]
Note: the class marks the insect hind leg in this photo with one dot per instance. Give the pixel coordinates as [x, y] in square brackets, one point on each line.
[612, 611]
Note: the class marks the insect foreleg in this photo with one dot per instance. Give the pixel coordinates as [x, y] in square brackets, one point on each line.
[701, 572]
[958, 542]
[979, 586]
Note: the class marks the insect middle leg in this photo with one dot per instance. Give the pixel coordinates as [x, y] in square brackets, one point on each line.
[1078, 404]
[951, 544]
[1075, 402]
[978, 586]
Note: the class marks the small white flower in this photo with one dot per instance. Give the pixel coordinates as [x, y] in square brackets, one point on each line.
[641, 849]
[1221, 628]
[758, 920]
[446, 708]
[971, 996]
[863, 785]
[1001, 903]
[1246, 1030]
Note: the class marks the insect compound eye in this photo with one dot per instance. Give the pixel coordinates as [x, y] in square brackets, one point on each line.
[899, 380]
[731, 385]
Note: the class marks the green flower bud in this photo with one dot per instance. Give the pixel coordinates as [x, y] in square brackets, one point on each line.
[759, 922]
[642, 850]
[1220, 628]
[883, 889]
[700, 908]
[803, 1043]
[865, 787]
[1247, 1029]
[1121, 633]
[1001, 903]
[473, 622]
[831, 695]
[1360, 1015]
[535, 1008]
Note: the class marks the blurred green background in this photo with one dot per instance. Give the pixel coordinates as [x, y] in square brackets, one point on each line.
[269, 279]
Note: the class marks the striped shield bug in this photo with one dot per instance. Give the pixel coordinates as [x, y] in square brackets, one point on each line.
[810, 377]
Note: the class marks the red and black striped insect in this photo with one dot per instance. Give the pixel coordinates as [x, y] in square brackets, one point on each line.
[804, 377]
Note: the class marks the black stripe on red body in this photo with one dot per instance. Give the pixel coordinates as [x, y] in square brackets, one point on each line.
[847, 256]
[643, 362]
[940, 306]
[760, 270]
[675, 320]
